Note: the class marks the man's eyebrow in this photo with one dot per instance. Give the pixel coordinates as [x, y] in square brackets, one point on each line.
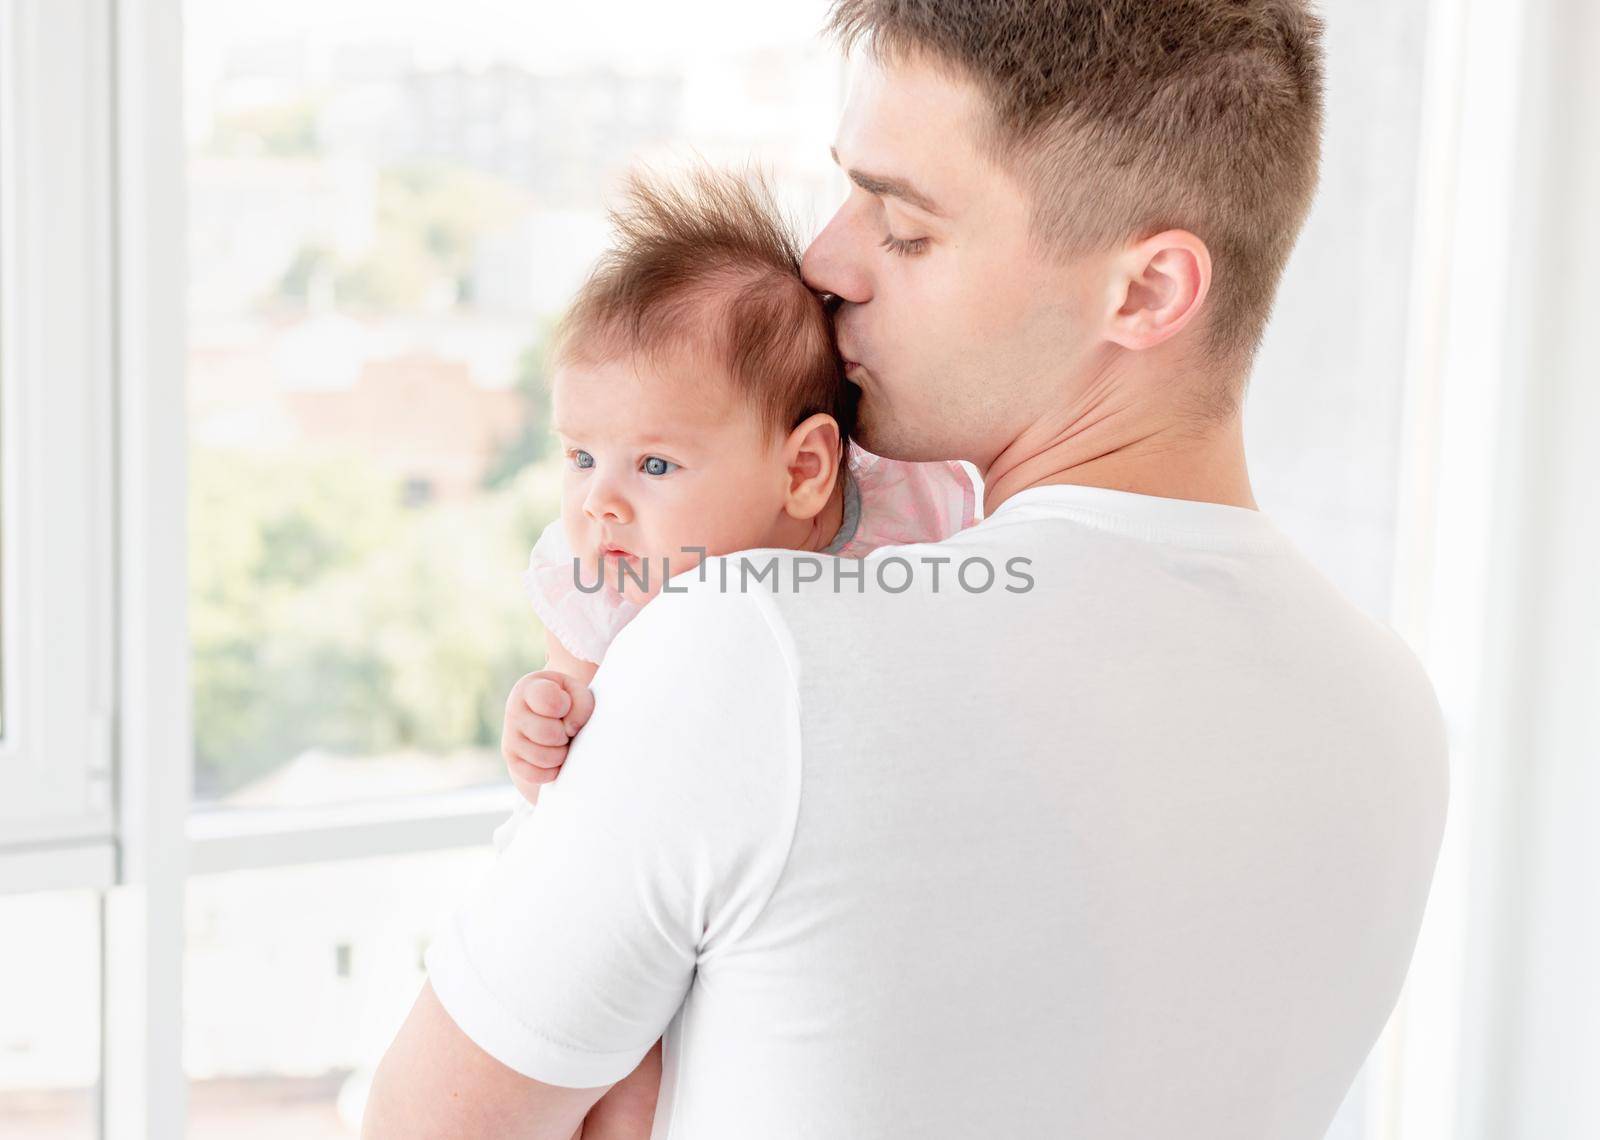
[886, 187]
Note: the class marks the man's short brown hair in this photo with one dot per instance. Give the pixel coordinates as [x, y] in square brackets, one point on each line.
[706, 263]
[1127, 117]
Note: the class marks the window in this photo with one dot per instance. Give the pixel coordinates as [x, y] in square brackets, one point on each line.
[387, 212]
[297, 978]
[50, 1034]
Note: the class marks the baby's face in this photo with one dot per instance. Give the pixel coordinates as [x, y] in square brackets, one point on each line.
[660, 457]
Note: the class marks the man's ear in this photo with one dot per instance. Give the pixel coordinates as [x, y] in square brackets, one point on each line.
[811, 455]
[1158, 287]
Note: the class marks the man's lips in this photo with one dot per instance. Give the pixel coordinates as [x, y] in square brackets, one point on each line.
[847, 355]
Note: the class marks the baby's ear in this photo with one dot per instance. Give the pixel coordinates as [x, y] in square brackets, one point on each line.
[811, 456]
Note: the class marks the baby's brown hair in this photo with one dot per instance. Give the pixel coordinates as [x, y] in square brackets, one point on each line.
[711, 244]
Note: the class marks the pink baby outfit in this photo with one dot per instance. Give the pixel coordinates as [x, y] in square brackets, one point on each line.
[886, 503]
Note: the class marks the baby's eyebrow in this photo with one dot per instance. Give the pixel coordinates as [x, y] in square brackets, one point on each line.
[659, 440]
[652, 440]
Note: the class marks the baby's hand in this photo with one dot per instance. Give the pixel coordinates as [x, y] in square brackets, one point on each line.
[544, 711]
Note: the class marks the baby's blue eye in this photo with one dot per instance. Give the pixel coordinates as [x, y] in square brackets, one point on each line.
[655, 465]
[582, 460]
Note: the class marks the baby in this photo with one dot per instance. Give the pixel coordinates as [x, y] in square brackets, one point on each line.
[701, 407]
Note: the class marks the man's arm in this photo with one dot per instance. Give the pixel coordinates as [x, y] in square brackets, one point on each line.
[658, 846]
[435, 1083]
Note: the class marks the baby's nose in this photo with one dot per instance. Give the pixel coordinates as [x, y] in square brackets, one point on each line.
[604, 505]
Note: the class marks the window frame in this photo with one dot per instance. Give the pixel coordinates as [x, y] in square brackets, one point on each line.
[56, 413]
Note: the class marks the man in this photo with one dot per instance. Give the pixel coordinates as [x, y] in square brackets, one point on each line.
[1137, 847]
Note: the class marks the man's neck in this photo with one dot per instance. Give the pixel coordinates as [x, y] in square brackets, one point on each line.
[1124, 444]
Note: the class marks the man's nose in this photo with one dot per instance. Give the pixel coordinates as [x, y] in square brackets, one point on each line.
[833, 262]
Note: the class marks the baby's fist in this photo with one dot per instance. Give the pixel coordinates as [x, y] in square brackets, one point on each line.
[544, 711]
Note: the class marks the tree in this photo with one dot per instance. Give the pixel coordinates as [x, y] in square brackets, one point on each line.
[324, 614]
[284, 130]
[430, 217]
[532, 442]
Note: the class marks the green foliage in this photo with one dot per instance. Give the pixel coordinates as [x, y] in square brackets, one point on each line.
[310, 263]
[285, 130]
[430, 218]
[325, 614]
[533, 442]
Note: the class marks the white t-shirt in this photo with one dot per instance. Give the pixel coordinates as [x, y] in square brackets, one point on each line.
[1137, 847]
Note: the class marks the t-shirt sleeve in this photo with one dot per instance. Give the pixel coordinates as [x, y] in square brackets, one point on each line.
[661, 840]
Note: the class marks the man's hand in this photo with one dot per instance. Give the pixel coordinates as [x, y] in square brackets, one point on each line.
[543, 713]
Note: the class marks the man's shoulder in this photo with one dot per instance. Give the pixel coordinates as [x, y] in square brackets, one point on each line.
[696, 630]
[697, 683]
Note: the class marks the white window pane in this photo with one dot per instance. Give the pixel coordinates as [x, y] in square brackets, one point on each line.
[296, 980]
[49, 1014]
[389, 204]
